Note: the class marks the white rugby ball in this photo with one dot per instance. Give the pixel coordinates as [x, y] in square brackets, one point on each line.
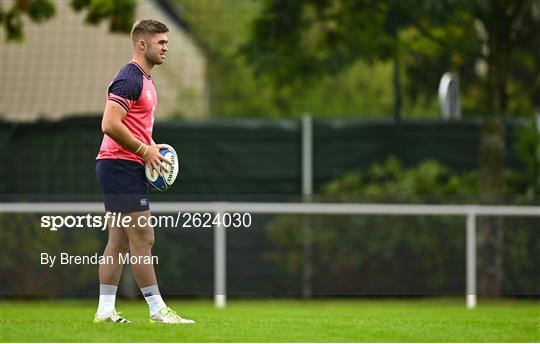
[162, 180]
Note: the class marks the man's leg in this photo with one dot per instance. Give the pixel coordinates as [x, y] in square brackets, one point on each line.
[109, 274]
[118, 243]
[141, 240]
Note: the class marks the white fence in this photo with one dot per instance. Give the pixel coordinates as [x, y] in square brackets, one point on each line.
[471, 212]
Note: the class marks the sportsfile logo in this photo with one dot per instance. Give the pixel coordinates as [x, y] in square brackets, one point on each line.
[56, 222]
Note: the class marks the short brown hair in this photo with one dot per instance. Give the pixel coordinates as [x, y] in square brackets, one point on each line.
[145, 26]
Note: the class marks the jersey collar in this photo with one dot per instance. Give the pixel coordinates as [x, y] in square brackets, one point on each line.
[141, 68]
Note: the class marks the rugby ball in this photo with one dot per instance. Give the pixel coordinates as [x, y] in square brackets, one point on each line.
[162, 181]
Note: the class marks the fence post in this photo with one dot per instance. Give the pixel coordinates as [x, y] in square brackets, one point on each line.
[307, 191]
[471, 259]
[220, 257]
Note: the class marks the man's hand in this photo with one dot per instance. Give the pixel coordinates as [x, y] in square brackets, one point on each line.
[152, 156]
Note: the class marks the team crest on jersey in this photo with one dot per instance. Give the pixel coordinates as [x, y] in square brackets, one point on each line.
[148, 94]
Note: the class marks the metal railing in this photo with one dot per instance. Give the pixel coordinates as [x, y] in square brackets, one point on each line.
[471, 212]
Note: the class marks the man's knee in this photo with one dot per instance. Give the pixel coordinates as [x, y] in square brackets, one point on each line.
[142, 241]
[119, 245]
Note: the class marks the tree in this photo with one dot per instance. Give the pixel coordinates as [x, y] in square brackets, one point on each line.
[121, 14]
[294, 43]
[223, 27]
[493, 45]
[220, 27]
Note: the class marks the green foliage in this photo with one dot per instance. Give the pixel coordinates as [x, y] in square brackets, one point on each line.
[120, 12]
[23, 241]
[405, 255]
[351, 249]
[358, 91]
[294, 43]
[11, 19]
[300, 40]
[527, 148]
[40, 10]
[219, 27]
[222, 28]
[391, 180]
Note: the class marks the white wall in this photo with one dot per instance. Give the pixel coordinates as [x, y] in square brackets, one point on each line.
[64, 66]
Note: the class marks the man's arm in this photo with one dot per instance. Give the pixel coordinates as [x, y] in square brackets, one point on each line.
[112, 126]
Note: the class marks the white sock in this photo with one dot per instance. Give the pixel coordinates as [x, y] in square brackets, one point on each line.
[153, 299]
[107, 299]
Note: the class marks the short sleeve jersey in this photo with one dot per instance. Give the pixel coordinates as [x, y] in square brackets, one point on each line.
[133, 90]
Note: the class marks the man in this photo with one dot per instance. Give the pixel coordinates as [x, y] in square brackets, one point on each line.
[127, 145]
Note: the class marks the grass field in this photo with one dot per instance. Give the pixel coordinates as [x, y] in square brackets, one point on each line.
[279, 320]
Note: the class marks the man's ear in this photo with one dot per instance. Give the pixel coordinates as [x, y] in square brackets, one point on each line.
[141, 44]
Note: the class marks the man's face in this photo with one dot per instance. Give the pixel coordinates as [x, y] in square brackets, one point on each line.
[156, 48]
